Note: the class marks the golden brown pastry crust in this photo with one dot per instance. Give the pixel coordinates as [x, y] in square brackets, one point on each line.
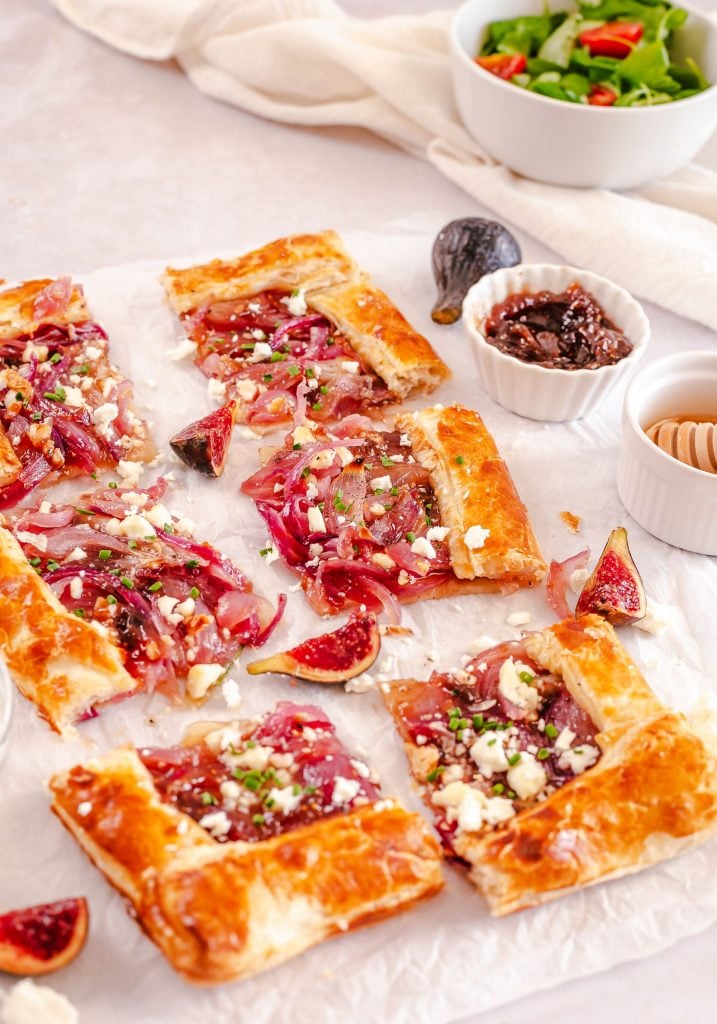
[335, 286]
[17, 314]
[225, 911]
[10, 465]
[473, 487]
[652, 794]
[64, 665]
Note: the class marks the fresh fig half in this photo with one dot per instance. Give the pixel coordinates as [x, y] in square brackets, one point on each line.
[614, 590]
[331, 658]
[204, 444]
[41, 939]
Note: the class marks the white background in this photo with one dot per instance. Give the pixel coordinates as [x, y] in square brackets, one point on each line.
[107, 160]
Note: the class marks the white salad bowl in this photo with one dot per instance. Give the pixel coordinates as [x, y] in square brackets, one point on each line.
[538, 392]
[674, 502]
[571, 143]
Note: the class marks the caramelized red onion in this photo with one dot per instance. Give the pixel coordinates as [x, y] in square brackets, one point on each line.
[559, 580]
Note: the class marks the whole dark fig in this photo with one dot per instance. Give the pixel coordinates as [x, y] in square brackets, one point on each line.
[463, 252]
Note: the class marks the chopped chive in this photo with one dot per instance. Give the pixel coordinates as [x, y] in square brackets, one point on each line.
[294, 371]
[527, 677]
[194, 592]
[84, 511]
[56, 357]
[34, 562]
[111, 599]
[277, 357]
[80, 613]
[127, 582]
[492, 743]
[514, 759]
[105, 553]
[251, 744]
[258, 819]
[83, 370]
[112, 485]
[498, 788]
[410, 537]
[132, 544]
[58, 395]
[550, 731]
[154, 587]
[543, 753]
[192, 563]
[433, 775]
[385, 461]
[317, 405]
[453, 724]
[310, 790]
[207, 799]
[309, 372]
[52, 565]
[460, 459]
[37, 416]
[265, 551]
[296, 447]
[19, 397]
[323, 389]
[296, 789]
[267, 377]
[394, 491]
[477, 721]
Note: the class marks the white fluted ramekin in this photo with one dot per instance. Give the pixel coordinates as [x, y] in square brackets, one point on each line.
[536, 391]
[674, 502]
[7, 692]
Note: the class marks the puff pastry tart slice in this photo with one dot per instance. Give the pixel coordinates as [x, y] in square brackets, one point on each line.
[297, 325]
[114, 595]
[369, 517]
[549, 764]
[64, 409]
[249, 844]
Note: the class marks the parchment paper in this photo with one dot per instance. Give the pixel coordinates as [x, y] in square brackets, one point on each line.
[447, 959]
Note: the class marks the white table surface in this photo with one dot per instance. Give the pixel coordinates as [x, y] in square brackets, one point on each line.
[106, 159]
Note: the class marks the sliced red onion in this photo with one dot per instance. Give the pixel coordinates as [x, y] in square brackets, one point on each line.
[34, 470]
[259, 411]
[351, 425]
[559, 579]
[298, 323]
[301, 393]
[386, 598]
[78, 443]
[34, 519]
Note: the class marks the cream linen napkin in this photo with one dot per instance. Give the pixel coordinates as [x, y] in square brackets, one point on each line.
[308, 62]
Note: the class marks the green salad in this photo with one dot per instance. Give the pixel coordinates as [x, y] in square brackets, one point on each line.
[607, 53]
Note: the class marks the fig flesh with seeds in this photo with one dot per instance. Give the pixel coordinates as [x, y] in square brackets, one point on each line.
[41, 939]
[204, 444]
[332, 658]
[614, 589]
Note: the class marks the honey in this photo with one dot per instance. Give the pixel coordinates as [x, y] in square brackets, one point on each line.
[691, 438]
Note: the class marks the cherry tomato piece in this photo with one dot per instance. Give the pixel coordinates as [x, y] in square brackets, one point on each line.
[504, 65]
[613, 39]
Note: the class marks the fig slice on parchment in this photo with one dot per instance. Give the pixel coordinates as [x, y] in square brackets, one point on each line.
[204, 444]
[41, 939]
[614, 589]
[331, 658]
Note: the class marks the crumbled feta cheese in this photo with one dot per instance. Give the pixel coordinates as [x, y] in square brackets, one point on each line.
[360, 684]
[405, 441]
[103, 416]
[45, 507]
[182, 350]
[403, 578]
[130, 471]
[381, 483]
[254, 758]
[512, 687]
[361, 768]
[29, 1003]
[247, 390]
[216, 823]
[38, 540]
[285, 800]
[302, 435]
[84, 808]
[76, 587]
[217, 389]
[564, 740]
[158, 515]
[377, 509]
[346, 456]
[422, 546]
[527, 777]
[475, 537]
[255, 307]
[650, 623]
[133, 526]
[382, 559]
[186, 608]
[270, 554]
[438, 533]
[230, 790]
[315, 550]
[134, 498]
[230, 693]
[488, 752]
[93, 352]
[185, 526]
[578, 759]
[472, 808]
[349, 365]
[344, 791]
[166, 606]
[296, 303]
[257, 334]
[201, 677]
[74, 397]
[316, 520]
[260, 352]
[519, 619]
[578, 579]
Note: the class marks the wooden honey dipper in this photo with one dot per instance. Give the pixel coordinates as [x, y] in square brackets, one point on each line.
[690, 442]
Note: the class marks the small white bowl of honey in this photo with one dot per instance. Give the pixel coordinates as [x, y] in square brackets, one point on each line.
[667, 471]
